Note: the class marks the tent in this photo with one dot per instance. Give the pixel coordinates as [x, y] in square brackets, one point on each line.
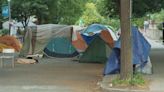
[51, 40]
[140, 50]
[60, 47]
[99, 41]
[17, 24]
[97, 52]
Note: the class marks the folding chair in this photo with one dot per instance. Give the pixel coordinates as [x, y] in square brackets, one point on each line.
[7, 54]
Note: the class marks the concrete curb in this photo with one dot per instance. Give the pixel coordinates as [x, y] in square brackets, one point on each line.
[106, 86]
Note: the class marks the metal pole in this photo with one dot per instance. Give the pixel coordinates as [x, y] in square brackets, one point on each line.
[163, 31]
[9, 5]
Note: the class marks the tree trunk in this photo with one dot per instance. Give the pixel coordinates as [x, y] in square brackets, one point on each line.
[126, 49]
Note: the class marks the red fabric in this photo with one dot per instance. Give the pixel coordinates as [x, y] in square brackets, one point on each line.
[106, 36]
[79, 43]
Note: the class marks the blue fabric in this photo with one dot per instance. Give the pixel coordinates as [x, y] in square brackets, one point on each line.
[140, 51]
[89, 39]
[94, 28]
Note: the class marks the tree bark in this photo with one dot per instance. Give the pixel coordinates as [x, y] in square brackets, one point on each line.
[126, 49]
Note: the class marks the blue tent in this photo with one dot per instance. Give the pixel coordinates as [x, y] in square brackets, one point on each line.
[140, 50]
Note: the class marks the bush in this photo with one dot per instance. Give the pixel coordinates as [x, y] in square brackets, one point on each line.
[115, 23]
[138, 22]
[4, 32]
[160, 26]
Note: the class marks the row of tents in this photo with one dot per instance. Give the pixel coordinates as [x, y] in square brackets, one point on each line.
[95, 44]
[91, 44]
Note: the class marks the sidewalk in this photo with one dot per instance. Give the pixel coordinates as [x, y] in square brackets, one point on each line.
[155, 44]
[153, 36]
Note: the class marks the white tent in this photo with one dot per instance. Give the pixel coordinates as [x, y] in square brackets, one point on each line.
[19, 24]
[5, 25]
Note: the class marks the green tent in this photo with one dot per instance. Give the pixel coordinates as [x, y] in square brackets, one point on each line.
[97, 52]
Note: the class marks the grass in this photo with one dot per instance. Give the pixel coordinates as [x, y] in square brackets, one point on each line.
[137, 81]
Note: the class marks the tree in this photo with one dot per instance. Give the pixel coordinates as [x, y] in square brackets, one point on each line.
[23, 9]
[126, 49]
[65, 11]
[40, 10]
[140, 7]
[91, 15]
[2, 2]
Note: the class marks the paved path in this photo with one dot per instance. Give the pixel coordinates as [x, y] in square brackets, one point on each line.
[157, 58]
[51, 75]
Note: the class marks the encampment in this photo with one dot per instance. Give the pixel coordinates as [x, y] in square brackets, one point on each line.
[55, 40]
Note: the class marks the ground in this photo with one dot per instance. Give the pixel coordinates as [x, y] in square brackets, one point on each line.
[51, 75]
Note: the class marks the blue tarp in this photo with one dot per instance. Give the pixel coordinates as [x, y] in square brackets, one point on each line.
[140, 51]
[94, 28]
[89, 39]
[92, 31]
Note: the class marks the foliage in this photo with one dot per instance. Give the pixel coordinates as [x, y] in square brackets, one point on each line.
[114, 22]
[103, 10]
[23, 9]
[159, 16]
[146, 6]
[4, 32]
[2, 2]
[138, 22]
[140, 7]
[65, 11]
[91, 15]
[137, 80]
[160, 26]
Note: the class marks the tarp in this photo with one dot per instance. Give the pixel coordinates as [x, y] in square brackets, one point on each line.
[95, 28]
[140, 51]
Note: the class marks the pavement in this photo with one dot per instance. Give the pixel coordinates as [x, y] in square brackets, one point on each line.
[51, 75]
[156, 79]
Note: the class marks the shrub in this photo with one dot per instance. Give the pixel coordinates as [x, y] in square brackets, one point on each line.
[4, 32]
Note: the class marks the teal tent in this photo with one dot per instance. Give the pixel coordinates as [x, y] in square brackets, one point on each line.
[60, 47]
